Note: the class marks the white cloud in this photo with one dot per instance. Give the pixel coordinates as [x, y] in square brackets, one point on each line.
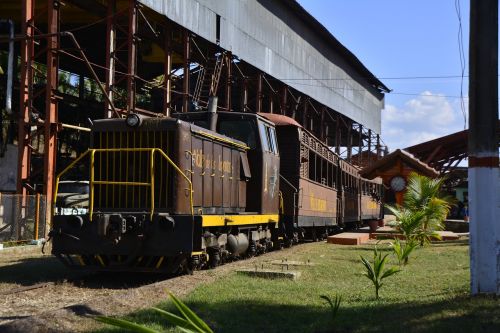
[423, 118]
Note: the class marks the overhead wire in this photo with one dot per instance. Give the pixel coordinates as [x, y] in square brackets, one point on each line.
[461, 54]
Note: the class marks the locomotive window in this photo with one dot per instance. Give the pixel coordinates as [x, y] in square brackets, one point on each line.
[272, 132]
[242, 130]
[263, 137]
[268, 137]
[272, 144]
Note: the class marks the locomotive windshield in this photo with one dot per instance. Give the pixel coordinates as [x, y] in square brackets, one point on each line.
[240, 129]
[247, 128]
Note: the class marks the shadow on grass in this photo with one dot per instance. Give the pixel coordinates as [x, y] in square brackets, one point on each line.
[30, 271]
[460, 314]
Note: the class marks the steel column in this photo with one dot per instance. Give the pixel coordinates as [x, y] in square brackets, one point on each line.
[284, 100]
[349, 140]
[258, 106]
[379, 150]
[50, 131]
[245, 95]
[110, 56]
[229, 80]
[338, 134]
[25, 98]
[322, 124]
[167, 69]
[369, 147]
[132, 55]
[305, 108]
[185, 82]
[360, 145]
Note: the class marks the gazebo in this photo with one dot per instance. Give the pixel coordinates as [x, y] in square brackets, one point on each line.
[394, 170]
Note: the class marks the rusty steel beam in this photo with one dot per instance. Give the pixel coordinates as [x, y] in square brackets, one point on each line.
[305, 110]
[110, 56]
[338, 133]
[360, 144]
[132, 55]
[244, 95]
[25, 98]
[51, 105]
[379, 148]
[167, 69]
[260, 95]
[284, 100]
[369, 147]
[229, 80]
[349, 140]
[187, 57]
[322, 124]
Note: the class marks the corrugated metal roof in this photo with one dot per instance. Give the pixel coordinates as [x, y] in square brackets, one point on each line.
[352, 59]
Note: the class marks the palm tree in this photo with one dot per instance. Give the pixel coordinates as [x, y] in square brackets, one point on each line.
[424, 194]
[424, 208]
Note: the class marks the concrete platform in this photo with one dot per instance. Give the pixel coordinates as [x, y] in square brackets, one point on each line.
[349, 238]
[448, 235]
[287, 263]
[270, 274]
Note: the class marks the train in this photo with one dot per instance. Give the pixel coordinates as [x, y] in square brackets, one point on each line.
[198, 189]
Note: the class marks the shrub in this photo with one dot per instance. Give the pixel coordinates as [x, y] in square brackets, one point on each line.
[377, 272]
[402, 250]
[334, 304]
[424, 209]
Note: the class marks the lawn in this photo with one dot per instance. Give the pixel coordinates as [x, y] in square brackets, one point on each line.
[429, 295]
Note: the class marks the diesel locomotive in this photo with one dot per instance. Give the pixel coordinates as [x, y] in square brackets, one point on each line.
[200, 188]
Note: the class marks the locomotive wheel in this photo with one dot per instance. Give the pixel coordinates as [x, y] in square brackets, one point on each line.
[214, 258]
[314, 236]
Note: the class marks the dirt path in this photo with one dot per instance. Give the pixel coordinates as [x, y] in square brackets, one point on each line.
[67, 307]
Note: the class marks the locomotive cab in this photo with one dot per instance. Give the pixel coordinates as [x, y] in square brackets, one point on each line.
[259, 135]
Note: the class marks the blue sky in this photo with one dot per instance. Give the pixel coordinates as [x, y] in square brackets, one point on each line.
[411, 40]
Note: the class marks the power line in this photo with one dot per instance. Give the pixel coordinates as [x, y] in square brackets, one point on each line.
[462, 60]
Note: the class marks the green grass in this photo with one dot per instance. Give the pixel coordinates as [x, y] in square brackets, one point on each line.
[431, 294]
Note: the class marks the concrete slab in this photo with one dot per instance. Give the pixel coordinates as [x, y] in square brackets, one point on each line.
[286, 263]
[270, 274]
[349, 238]
[386, 235]
[448, 235]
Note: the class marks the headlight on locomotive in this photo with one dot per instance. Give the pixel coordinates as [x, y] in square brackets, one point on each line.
[133, 120]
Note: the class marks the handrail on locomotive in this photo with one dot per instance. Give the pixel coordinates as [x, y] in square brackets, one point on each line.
[93, 182]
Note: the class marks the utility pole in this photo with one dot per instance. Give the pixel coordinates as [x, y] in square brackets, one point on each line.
[484, 178]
